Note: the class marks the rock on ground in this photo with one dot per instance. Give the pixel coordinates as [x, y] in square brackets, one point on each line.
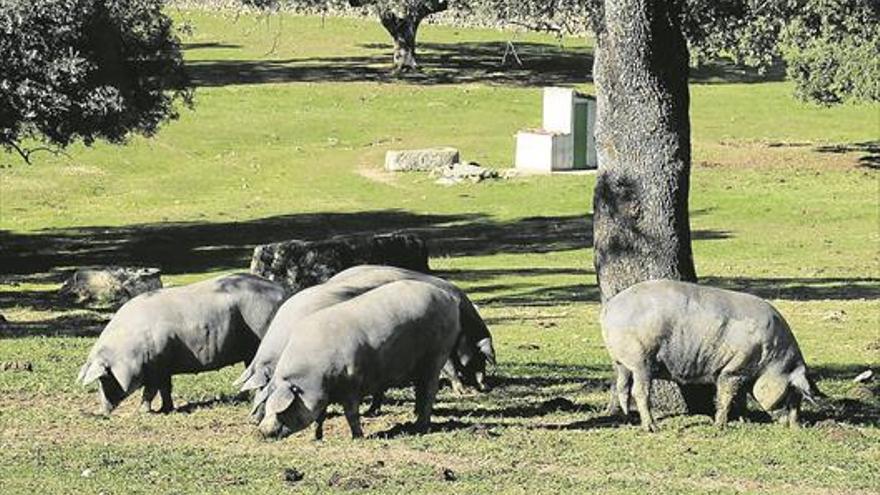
[109, 286]
[420, 160]
[461, 172]
[298, 264]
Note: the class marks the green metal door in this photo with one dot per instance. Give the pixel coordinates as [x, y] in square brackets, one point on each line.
[580, 134]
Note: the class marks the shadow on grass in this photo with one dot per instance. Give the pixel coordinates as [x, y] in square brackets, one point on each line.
[543, 64]
[219, 400]
[801, 289]
[85, 324]
[441, 63]
[46, 257]
[870, 151]
[196, 247]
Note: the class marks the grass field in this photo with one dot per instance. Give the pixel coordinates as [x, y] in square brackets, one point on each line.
[286, 140]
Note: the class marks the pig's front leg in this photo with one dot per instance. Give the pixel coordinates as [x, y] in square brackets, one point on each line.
[165, 392]
[375, 405]
[728, 387]
[106, 405]
[147, 398]
[450, 373]
[319, 424]
[794, 408]
[353, 416]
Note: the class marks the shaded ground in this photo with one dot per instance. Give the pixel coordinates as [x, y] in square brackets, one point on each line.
[542, 64]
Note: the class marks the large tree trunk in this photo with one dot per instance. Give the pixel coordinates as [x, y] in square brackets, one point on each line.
[403, 32]
[640, 225]
[640, 206]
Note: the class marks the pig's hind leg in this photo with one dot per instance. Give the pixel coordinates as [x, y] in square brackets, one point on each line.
[426, 393]
[623, 387]
[353, 416]
[641, 391]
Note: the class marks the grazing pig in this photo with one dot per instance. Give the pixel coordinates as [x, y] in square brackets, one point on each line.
[394, 335]
[199, 327]
[466, 366]
[694, 334]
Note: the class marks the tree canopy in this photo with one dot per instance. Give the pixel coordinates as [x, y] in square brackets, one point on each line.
[86, 70]
[829, 47]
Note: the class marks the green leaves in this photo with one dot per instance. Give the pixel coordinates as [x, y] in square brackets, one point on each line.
[829, 47]
[86, 70]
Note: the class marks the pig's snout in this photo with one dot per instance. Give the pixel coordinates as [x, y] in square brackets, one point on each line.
[270, 427]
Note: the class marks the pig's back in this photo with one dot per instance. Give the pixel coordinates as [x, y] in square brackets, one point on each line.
[379, 336]
[693, 330]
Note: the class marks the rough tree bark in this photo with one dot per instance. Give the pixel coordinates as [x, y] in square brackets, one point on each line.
[640, 206]
[641, 228]
[403, 32]
[402, 24]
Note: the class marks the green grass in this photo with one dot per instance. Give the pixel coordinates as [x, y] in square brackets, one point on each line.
[288, 142]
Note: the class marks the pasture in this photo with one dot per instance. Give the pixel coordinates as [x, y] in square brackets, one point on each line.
[286, 140]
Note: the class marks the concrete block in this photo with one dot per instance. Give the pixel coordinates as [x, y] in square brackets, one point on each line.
[420, 160]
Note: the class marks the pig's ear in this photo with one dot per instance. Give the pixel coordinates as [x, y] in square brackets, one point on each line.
[124, 374]
[486, 349]
[258, 379]
[805, 385]
[245, 375]
[91, 371]
[261, 396]
[281, 399]
[769, 390]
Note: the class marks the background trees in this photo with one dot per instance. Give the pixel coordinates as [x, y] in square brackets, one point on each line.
[828, 47]
[85, 70]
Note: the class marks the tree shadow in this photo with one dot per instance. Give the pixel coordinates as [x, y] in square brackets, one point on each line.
[801, 289]
[81, 324]
[48, 256]
[219, 400]
[524, 411]
[483, 62]
[208, 45]
[195, 247]
[725, 71]
[441, 63]
[870, 151]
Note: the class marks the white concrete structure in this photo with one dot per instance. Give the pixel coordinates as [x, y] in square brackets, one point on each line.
[543, 152]
[559, 110]
[565, 141]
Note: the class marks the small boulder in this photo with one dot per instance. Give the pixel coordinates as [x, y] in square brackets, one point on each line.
[420, 160]
[109, 286]
[461, 172]
[298, 264]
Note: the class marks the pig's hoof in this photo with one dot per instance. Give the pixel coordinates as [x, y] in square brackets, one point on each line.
[649, 427]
